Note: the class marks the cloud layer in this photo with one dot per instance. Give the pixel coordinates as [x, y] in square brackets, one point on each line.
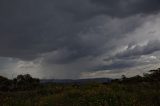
[63, 39]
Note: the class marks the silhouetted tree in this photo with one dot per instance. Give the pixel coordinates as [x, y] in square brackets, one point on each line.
[123, 77]
[25, 82]
[4, 84]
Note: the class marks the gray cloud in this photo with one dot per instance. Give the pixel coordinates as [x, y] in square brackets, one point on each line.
[117, 64]
[133, 56]
[137, 50]
[123, 8]
[66, 33]
[29, 28]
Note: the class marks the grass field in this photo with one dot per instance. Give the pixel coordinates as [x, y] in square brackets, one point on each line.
[93, 94]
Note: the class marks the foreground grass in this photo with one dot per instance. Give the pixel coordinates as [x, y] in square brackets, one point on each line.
[141, 94]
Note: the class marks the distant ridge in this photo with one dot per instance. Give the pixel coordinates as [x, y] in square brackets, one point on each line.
[98, 80]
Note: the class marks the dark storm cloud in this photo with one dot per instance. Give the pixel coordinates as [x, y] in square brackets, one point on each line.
[31, 28]
[28, 28]
[123, 8]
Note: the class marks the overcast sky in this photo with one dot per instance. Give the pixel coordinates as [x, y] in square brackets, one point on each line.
[79, 38]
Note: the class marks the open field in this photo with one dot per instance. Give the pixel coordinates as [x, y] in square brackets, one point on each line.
[141, 94]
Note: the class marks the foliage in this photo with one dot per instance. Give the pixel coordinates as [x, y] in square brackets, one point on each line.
[152, 76]
[134, 91]
[21, 82]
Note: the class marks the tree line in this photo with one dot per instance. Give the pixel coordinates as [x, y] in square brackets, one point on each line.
[21, 82]
[27, 82]
[151, 76]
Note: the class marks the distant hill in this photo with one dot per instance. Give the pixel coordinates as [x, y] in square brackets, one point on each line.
[81, 81]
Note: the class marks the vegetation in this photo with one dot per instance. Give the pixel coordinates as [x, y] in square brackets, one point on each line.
[21, 82]
[135, 91]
